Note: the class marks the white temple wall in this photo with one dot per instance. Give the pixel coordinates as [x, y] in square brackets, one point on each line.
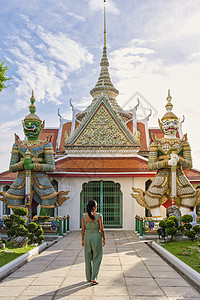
[72, 206]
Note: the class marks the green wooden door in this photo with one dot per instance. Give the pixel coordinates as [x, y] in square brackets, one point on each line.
[109, 199]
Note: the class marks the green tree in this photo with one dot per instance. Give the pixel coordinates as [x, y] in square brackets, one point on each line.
[3, 75]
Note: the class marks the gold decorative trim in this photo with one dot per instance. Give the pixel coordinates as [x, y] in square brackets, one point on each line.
[47, 197]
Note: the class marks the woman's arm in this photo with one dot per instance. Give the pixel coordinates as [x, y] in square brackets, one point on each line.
[101, 229]
[83, 230]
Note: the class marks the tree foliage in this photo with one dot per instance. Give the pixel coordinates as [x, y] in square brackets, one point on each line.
[3, 75]
[35, 234]
[16, 226]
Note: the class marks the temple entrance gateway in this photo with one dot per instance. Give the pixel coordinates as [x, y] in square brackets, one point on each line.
[109, 199]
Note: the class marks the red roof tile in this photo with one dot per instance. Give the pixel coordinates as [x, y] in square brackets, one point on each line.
[130, 125]
[54, 135]
[143, 141]
[102, 164]
[66, 129]
[159, 134]
[7, 177]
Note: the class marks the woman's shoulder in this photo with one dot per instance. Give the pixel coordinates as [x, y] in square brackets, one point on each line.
[99, 215]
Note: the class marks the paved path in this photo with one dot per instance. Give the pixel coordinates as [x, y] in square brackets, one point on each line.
[129, 270]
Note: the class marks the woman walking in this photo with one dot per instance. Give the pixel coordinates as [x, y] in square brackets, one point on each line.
[93, 238]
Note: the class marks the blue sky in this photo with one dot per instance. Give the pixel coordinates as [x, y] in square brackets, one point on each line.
[54, 48]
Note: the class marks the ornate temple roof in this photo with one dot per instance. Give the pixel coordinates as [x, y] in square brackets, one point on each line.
[102, 129]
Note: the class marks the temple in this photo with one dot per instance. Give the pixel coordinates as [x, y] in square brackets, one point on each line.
[101, 154]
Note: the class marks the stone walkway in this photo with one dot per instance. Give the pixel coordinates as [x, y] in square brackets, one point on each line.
[129, 270]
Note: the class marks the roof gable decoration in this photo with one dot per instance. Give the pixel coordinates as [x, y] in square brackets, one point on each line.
[145, 122]
[103, 127]
[75, 112]
[62, 122]
[132, 112]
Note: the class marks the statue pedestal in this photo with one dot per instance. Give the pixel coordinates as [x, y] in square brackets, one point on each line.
[178, 237]
[174, 210]
[156, 214]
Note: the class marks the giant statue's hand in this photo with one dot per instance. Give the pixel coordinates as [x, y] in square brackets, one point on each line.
[27, 164]
[173, 160]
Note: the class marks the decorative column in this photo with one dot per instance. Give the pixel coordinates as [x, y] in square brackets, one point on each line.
[60, 226]
[64, 225]
[141, 227]
[68, 223]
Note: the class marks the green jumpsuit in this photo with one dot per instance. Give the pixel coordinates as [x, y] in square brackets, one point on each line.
[92, 248]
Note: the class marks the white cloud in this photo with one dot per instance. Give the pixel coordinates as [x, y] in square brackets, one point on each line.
[7, 140]
[45, 67]
[97, 5]
[78, 17]
[11, 124]
[64, 49]
[84, 102]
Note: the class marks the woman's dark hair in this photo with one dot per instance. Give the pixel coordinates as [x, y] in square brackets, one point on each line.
[192, 208]
[89, 207]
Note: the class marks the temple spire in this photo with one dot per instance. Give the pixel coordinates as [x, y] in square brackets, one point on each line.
[104, 81]
[104, 23]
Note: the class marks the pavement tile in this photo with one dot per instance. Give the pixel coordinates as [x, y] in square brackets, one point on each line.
[65, 258]
[111, 297]
[143, 290]
[172, 282]
[111, 282]
[72, 297]
[74, 280]
[160, 268]
[39, 291]
[110, 274]
[79, 266]
[183, 298]
[186, 291]
[140, 281]
[37, 268]
[111, 291]
[154, 262]
[47, 281]
[11, 281]
[160, 274]
[58, 268]
[81, 288]
[57, 272]
[50, 297]
[7, 298]
[149, 298]
[131, 266]
[27, 273]
[137, 273]
[108, 268]
[10, 291]
[61, 263]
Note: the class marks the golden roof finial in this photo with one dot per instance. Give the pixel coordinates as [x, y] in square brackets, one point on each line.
[32, 109]
[169, 98]
[104, 23]
[169, 106]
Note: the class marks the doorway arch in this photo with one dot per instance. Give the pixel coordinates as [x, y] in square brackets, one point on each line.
[109, 199]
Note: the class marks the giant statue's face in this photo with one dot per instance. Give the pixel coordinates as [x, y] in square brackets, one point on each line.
[31, 129]
[170, 126]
